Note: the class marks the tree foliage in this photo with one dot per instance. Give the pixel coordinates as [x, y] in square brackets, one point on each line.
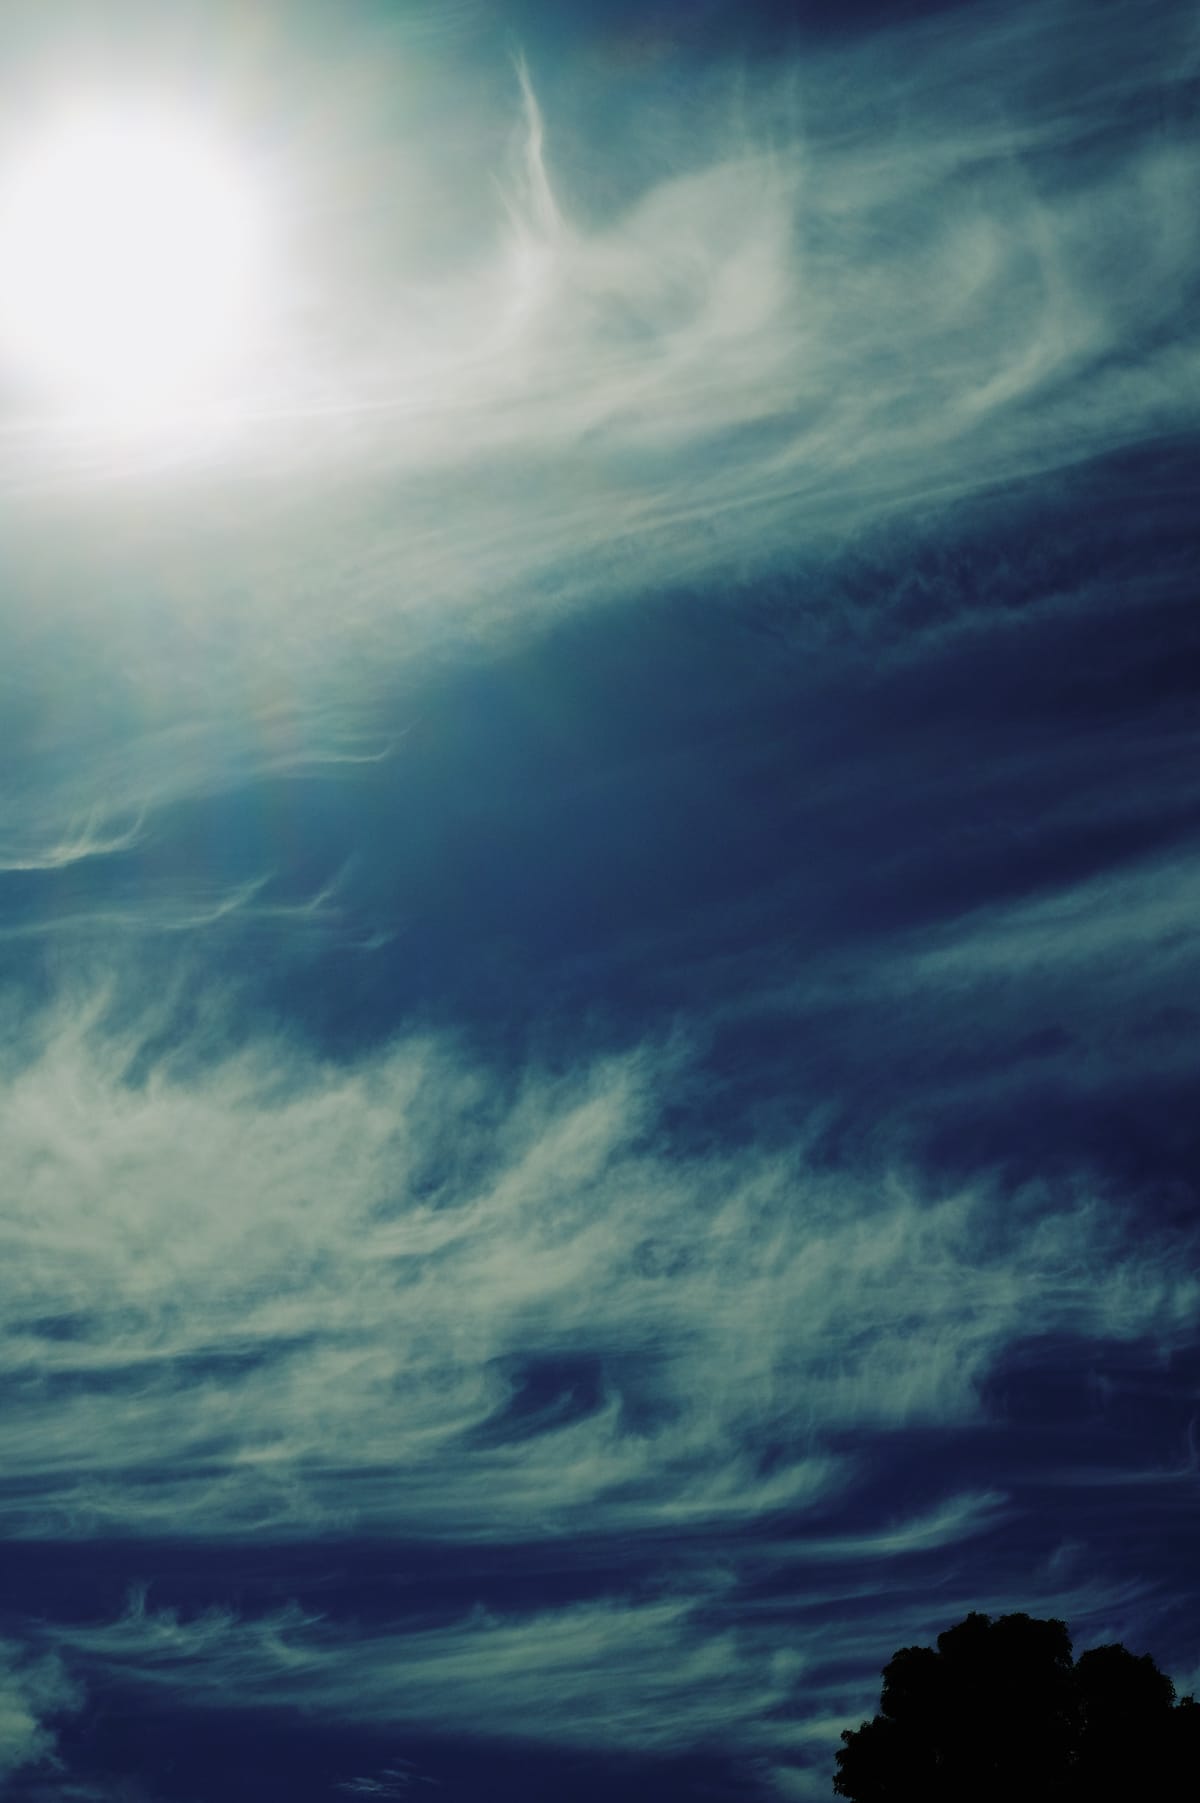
[1001, 1711]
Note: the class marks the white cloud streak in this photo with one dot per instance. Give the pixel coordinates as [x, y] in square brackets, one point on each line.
[33, 1691]
[677, 1672]
[246, 1293]
[899, 271]
[95, 838]
[619, 1675]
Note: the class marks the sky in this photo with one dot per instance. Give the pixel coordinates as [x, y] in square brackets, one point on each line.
[599, 966]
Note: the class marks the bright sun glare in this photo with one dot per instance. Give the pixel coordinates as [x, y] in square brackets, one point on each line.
[131, 262]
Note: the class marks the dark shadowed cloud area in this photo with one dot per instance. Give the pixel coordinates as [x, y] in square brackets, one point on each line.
[599, 956]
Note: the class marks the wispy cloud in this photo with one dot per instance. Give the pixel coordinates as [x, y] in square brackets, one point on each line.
[906, 266]
[34, 1690]
[680, 1672]
[251, 1293]
[94, 839]
[895, 272]
[633, 1675]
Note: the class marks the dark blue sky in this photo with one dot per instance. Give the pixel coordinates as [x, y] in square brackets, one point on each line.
[598, 959]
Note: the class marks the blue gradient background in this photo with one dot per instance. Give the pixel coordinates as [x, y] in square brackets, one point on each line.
[598, 948]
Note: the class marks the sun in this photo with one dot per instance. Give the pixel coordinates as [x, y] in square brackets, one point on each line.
[132, 261]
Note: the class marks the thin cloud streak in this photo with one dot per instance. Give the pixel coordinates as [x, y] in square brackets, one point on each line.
[814, 272]
[892, 276]
[91, 841]
[249, 1294]
[34, 1690]
[693, 1669]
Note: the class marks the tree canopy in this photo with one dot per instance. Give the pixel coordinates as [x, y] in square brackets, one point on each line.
[1000, 1710]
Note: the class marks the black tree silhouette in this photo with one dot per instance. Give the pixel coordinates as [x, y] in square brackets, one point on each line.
[1000, 1711]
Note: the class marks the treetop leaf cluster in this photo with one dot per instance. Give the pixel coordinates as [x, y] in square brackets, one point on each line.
[1001, 1711]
